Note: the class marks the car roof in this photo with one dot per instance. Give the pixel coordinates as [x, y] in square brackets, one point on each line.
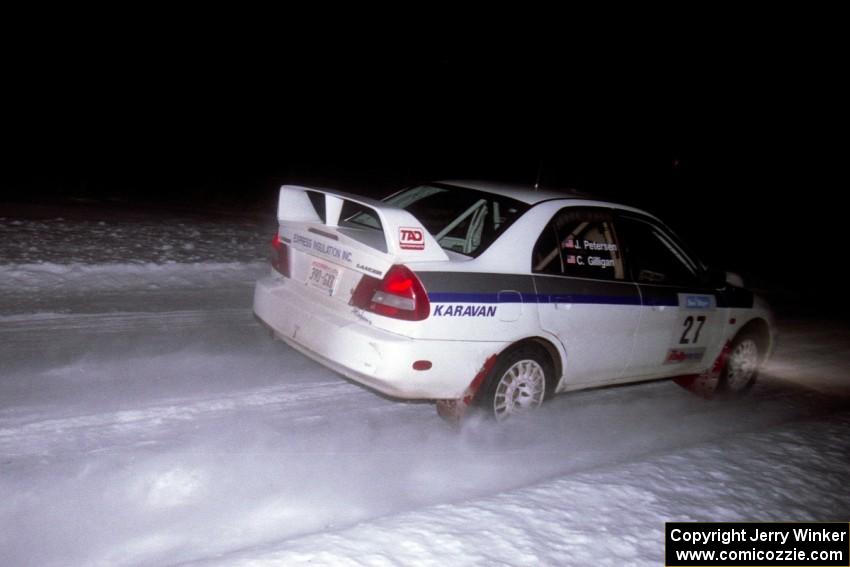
[531, 196]
[524, 193]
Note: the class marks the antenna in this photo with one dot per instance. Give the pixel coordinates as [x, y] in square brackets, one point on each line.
[539, 173]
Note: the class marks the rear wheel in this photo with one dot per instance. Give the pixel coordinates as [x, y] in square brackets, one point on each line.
[518, 382]
[742, 365]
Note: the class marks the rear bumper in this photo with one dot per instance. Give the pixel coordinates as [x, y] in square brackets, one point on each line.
[375, 358]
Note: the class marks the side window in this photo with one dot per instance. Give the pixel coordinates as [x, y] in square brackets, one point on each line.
[654, 255]
[579, 243]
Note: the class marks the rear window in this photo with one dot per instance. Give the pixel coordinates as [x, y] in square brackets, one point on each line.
[461, 220]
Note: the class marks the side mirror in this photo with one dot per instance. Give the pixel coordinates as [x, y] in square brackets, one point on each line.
[734, 279]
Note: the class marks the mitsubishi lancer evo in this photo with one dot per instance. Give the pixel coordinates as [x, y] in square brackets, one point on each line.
[498, 297]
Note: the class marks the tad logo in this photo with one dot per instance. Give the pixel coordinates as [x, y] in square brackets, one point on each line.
[411, 238]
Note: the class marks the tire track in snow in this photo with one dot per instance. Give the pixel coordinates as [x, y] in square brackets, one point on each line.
[43, 430]
[45, 340]
[25, 436]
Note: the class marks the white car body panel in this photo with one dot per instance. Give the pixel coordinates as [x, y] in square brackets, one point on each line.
[598, 339]
[376, 358]
[664, 328]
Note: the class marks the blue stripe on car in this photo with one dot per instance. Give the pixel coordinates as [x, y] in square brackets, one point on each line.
[531, 298]
[466, 287]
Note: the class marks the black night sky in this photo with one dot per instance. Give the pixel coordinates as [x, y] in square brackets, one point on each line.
[729, 127]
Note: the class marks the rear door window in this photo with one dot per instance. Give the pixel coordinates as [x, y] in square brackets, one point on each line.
[579, 242]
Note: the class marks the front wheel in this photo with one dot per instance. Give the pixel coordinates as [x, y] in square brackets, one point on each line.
[742, 365]
[518, 382]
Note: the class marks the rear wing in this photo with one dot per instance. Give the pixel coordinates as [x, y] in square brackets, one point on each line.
[396, 232]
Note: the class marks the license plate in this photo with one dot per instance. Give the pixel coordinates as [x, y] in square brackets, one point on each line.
[322, 277]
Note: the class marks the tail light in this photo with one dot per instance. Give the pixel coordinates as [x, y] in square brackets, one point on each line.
[280, 256]
[399, 295]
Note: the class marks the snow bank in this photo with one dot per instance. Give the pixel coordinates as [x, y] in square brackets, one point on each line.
[62, 265]
[158, 239]
[53, 278]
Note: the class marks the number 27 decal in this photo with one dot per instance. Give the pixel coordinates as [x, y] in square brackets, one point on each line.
[689, 326]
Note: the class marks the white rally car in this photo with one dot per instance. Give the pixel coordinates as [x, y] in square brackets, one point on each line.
[500, 296]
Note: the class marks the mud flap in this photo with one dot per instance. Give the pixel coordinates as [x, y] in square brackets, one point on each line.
[705, 385]
[453, 410]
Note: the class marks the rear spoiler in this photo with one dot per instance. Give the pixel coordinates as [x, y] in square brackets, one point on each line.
[404, 237]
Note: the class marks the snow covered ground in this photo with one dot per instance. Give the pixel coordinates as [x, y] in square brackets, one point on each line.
[146, 419]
